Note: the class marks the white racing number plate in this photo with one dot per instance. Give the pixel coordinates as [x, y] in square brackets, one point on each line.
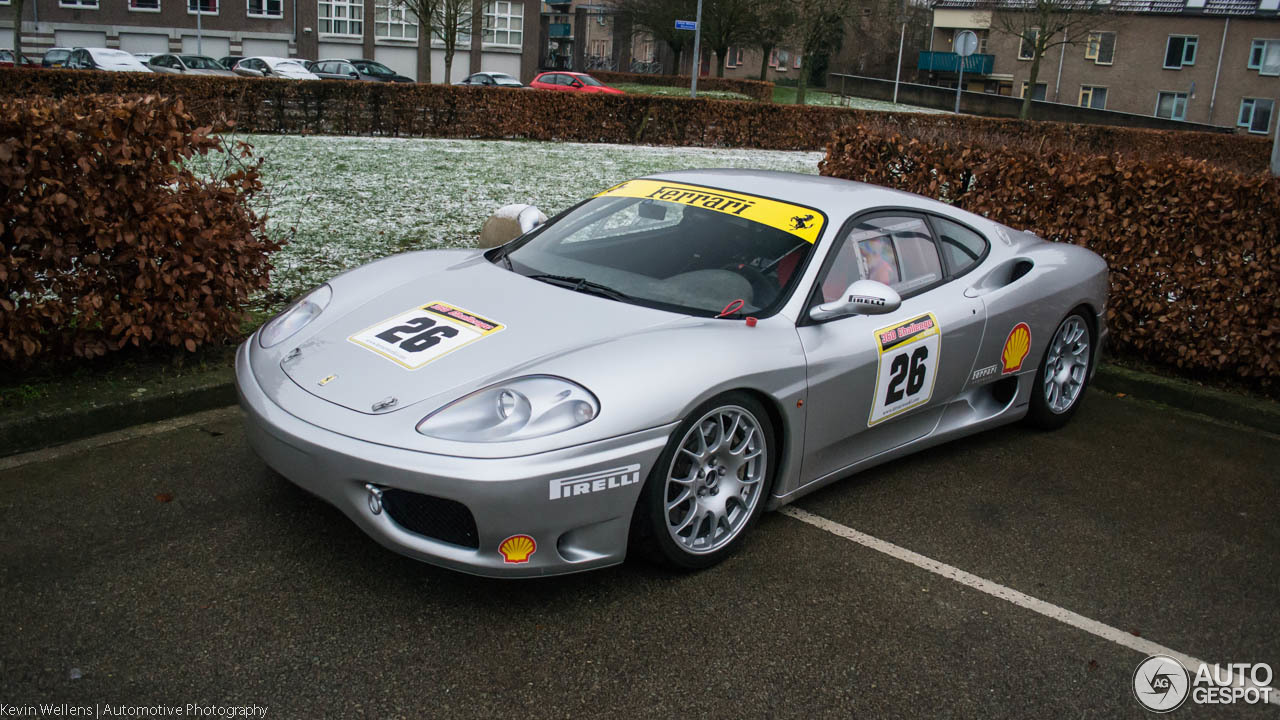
[416, 337]
[909, 353]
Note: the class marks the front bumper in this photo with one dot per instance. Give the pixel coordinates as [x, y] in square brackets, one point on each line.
[584, 530]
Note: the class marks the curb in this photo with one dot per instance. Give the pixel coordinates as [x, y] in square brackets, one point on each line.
[54, 427]
[47, 428]
[1252, 412]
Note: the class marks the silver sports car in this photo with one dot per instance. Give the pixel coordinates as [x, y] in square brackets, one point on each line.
[659, 364]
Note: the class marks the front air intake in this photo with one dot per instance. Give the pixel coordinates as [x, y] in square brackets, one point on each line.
[437, 518]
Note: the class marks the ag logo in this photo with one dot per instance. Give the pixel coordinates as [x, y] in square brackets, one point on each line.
[1160, 683]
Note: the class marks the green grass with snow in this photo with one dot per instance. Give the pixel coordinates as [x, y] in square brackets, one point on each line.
[344, 201]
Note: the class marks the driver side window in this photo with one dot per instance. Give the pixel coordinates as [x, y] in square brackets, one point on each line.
[897, 250]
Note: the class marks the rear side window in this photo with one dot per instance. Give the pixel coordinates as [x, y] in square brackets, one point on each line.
[961, 247]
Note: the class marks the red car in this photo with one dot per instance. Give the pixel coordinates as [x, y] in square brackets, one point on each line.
[572, 82]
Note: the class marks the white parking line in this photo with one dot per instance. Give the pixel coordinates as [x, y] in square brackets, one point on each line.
[1022, 600]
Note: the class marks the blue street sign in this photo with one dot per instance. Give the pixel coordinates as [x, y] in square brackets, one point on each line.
[686, 25]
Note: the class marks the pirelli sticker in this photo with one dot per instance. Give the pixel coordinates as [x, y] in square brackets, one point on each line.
[909, 354]
[805, 223]
[415, 337]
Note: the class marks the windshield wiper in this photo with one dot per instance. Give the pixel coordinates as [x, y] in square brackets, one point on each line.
[582, 285]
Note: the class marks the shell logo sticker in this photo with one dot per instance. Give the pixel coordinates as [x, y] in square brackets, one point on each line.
[517, 549]
[1016, 347]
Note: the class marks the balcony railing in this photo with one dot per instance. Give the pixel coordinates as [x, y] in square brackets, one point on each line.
[950, 62]
[561, 30]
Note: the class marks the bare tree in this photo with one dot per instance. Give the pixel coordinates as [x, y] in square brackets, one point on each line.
[819, 29]
[726, 23]
[17, 29]
[658, 17]
[424, 11]
[773, 23]
[452, 18]
[1042, 25]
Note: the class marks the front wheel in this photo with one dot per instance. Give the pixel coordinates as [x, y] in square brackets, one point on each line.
[709, 484]
[1063, 374]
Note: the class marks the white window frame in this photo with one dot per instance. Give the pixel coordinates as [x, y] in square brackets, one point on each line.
[1022, 42]
[395, 15]
[1176, 96]
[1251, 104]
[1262, 45]
[155, 9]
[217, 7]
[78, 4]
[354, 18]
[1090, 90]
[248, 12]
[1094, 44]
[730, 55]
[499, 22]
[1192, 41]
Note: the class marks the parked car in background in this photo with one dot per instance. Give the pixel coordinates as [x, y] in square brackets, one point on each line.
[104, 59]
[275, 67]
[189, 65]
[367, 70]
[55, 57]
[229, 62]
[491, 79]
[9, 58]
[329, 69]
[572, 82]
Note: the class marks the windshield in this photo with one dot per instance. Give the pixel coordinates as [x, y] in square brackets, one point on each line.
[373, 68]
[588, 80]
[682, 247]
[290, 66]
[200, 62]
[56, 55]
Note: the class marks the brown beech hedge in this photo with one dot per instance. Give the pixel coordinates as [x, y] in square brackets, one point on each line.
[106, 241]
[754, 89]
[420, 110]
[1193, 249]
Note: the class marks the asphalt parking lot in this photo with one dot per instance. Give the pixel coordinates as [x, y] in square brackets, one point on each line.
[175, 568]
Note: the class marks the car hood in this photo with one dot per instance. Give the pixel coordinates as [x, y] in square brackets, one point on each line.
[528, 321]
[217, 73]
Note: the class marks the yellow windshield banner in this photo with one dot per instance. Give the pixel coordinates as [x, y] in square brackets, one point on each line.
[800, 221]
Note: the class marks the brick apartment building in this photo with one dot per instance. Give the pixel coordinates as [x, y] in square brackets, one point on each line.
[312, 29]
[1207, 61]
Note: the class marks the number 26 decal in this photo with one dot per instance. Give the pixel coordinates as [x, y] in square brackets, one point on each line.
[430, 335]
[909, 352]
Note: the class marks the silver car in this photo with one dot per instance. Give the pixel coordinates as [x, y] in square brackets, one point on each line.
[656, 366]
[188, 65]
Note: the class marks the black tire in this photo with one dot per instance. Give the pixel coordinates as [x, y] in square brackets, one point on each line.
[650, 535]
[1041, 415]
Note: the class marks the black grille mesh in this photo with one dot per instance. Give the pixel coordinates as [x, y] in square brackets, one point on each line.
[437, 518]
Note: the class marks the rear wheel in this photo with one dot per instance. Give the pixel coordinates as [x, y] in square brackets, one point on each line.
[709, 484]
[1063, 374]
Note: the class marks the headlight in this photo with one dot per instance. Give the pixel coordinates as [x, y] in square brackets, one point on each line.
[519, 409]
[284, 325]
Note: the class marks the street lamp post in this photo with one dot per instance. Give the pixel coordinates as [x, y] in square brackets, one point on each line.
[902, 37]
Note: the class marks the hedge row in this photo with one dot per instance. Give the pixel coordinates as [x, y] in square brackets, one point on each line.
[106, 241]
[1193, 249]
[421, 110]
[755, 89]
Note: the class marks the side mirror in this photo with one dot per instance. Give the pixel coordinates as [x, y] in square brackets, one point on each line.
[509, 223]
[577, 83]
[354, 74]
[864, 297]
